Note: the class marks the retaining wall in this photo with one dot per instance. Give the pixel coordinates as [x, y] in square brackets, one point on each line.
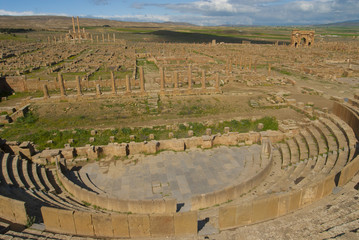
[13, 210]
[116, 225]
[232, 192]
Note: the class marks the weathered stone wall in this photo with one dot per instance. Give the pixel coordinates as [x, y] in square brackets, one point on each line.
[149, 206]
[13, 210]
[232, 192]
[117, 225]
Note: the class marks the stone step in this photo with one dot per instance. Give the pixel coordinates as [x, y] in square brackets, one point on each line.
[319, 139]
[25, 171]
[294, 151]
[16, 171]
[44, 177]
[303, 148]
[285, 154]
[348, 132]
[5, 169]
[35, 175]
[328, 135]
[337, 133]
[312, 145]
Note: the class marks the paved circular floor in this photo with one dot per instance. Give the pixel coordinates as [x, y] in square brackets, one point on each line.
[170, 174]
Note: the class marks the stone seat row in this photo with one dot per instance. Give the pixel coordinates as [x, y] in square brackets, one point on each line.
[21, 178]
[321, 161]
[309, 156]
[22, 173]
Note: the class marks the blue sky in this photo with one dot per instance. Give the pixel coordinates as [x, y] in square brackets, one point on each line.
[201, 12]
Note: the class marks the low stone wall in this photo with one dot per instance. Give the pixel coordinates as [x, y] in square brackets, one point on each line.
[232, 192]
[13, 210]
[153, 147]
[115, 204]
[119, 225]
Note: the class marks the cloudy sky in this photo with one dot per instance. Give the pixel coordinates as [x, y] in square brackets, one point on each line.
[201, 12]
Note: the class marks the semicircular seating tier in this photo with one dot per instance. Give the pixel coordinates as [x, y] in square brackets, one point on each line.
[291, 173]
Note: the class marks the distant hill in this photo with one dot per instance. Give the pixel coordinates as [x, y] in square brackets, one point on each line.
[352, 23]
[64, 23]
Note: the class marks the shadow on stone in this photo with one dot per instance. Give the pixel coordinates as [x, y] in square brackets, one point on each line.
[179, 206]
[202, 223]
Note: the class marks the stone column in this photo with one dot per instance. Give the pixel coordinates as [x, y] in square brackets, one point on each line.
[46, 91]
[203, 79]
[73, 25]
[162, 79]
[217, 82]
[269, 69]
[98, 90]
[142, 80]
[128, 84]
[175, 80]
[103, 38]
[189, 77]
[78, 27]
[114, 37]
[113, 84]
[108, 37]
[62, 85]
[97, 38]
[78, 86]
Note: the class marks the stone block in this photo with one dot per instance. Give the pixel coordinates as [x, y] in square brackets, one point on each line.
[265, 209]
[227, 217]
[283, 204]
[208, 131]
[18, 211]
[161, 225]
[102, 224]
[185, 223]
[295, 200]
[190, 133]
[170, 135]
[66, 221]
[139, 225]
[93, 132]
[5, 209]
[120, 226]
[50, 218]
[83, 223]
[170, 205]
[226, 130]
[151, 136]
[328, 185]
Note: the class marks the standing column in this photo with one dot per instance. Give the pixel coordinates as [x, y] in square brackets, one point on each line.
[128, 84]
[203, 79]
[73, 26]
[62, 85]
[98, 90]
[113, 85]
[269, 69]
[78, 86]
[217, 82]
[78, 28]
[189, 77]
[114, 37]
[162, 79]
[103, 38]
[175, 80]
[142, 80]
[46, 91]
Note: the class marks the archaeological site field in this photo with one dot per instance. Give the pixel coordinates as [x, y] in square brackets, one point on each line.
[115, 129]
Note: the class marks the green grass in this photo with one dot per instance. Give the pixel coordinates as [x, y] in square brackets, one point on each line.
[31, 128]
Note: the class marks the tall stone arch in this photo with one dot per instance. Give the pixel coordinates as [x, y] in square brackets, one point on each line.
[302, 38]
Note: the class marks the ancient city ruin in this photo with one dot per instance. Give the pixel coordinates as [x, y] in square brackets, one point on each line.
[108, 134]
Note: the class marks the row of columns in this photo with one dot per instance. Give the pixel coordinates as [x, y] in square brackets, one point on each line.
[128, 83]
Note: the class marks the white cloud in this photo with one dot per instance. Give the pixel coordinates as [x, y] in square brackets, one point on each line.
[28, 13]
[141, 18]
